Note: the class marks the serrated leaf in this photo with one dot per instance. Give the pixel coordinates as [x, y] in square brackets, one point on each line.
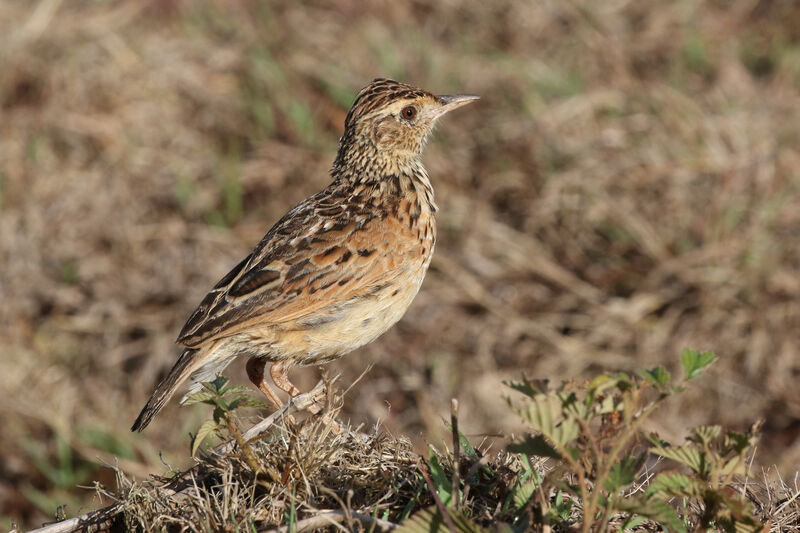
[571, 405]
[529, 387]
[734, 465]
[239, 390]
[523, 493]
[430, 521]
[656, 510]
[253, 402]
[441, 483]
[208, 428]
[216, 384]
[566, 432]
[541, 414]
[737, 442]
[609, 404]
[687, 455]
[695, 363]
[674, 484]
[624, 472]
[535, 446]
[705, 434]
[655, 440]
[658, 376]
[245, 401]
[203, 396]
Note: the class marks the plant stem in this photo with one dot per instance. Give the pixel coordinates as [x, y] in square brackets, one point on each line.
[247, 451]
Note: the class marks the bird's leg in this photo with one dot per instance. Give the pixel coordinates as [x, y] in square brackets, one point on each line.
[255, 371]
[280, 376]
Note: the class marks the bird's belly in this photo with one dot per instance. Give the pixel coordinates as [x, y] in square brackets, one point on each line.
[333, 332]
[360, 322]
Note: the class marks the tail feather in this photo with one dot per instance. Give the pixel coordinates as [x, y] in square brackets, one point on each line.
[164, 391]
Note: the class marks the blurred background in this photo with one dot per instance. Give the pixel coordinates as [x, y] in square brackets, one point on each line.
[627, 186]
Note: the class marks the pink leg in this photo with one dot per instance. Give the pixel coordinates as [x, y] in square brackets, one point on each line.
[280, 376]
[255, 371]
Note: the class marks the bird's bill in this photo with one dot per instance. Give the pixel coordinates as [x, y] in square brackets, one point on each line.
[453, 101]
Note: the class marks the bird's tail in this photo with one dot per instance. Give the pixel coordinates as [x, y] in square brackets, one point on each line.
[183, 369]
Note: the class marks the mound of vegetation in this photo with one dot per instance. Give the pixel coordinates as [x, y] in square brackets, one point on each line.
[586, 465]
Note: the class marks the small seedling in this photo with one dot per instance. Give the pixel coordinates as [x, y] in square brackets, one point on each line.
[225, 399]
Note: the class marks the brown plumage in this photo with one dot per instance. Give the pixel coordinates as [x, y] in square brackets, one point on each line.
[337, 270]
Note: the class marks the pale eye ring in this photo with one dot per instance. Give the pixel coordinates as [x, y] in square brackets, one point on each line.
[408, 112]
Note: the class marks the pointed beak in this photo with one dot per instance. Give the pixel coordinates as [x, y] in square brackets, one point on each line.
[453, 101]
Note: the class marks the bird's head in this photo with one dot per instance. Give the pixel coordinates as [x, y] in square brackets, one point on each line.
[390, 122]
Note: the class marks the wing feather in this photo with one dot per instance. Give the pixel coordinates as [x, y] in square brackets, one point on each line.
[309, 260]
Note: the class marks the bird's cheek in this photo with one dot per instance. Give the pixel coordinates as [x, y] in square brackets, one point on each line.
[387, 134]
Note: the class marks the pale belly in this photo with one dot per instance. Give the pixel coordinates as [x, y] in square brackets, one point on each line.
[334, 332]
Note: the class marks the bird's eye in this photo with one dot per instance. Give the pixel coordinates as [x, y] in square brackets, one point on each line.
[409, 112]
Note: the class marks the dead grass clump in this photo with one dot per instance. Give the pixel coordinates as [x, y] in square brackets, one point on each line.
[309, 476]
[314, 471]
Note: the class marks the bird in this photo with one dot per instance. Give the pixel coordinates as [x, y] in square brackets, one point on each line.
[337, 270]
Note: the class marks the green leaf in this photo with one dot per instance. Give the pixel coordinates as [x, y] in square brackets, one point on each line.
[203, 396]
[654, 509]
[465, 445]
[441, 483]
[571, 405]
[216, 385]
[624, 472]
[522, 494]
[695, 363]
[245, 401]
[208, 428]
[675, 485]
[737, 442]
[658, 376]
[601, 383]
[528, 387]
[240, 390]
[688, 455]
[655, 440]
[430, 521]
[542, 413]
[562, 507]
[706, 434]
[536, 446]
[632, 522]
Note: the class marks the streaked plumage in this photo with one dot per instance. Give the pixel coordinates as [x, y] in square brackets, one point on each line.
[337, 270]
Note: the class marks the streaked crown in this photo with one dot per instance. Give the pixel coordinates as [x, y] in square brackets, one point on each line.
[388, 124]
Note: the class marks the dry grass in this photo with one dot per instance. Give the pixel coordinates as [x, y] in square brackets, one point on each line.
[627, 187]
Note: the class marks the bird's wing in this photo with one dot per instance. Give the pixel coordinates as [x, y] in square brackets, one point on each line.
[324, 252]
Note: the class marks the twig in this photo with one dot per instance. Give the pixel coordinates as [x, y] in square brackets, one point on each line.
[80, 522]
[456, 452]
[334, 517]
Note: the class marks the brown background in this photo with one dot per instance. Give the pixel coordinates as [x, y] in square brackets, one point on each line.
[628, 186]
